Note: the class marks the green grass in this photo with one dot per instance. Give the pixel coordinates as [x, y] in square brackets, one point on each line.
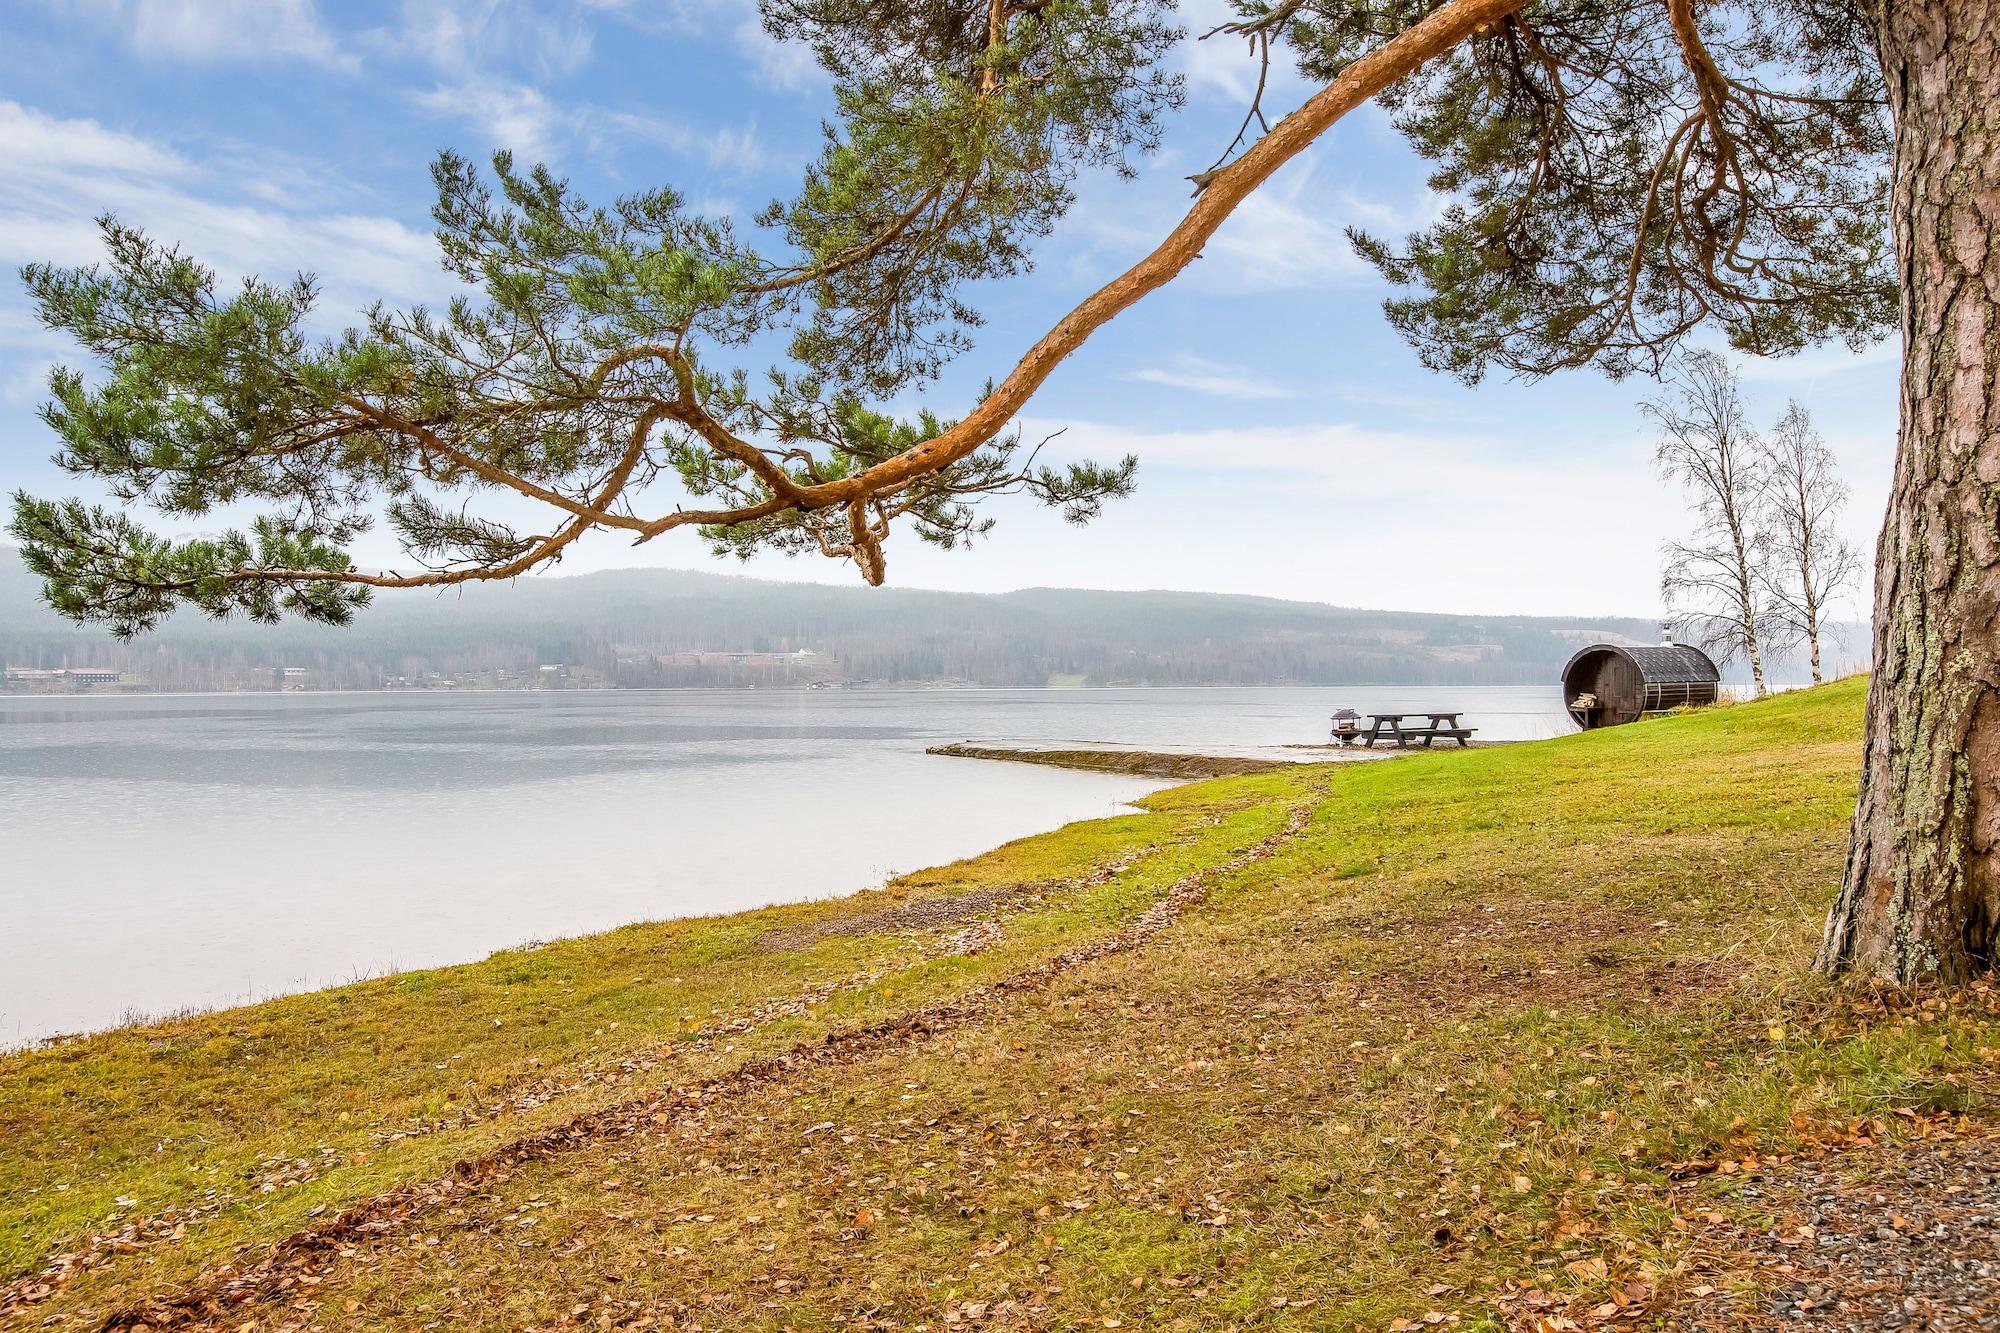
[1438, 1049]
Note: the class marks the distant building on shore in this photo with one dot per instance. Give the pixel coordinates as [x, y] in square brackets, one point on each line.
[32, 678]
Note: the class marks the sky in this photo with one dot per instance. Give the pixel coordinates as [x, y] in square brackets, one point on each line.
[1290, 443]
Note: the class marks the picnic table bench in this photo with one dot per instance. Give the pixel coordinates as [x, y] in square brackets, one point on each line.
[1439, 725]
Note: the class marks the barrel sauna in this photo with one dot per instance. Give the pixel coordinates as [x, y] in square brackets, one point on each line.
[1609, 684]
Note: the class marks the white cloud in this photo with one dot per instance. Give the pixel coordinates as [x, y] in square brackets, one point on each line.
[1224, 67]
[1292, 233]
[63, 173]
[1218, 67]
[1200, 375]
[1289, 235]
[1397, 464]
[464, 38]
[1470, 479]
[513, 116]
[490, 59]
[784, 65]
[1816, 364]
[787, 67]
[35, 144]
[535, 128]
[1273, 243]
[738, 151]
[27, 350]
[1338, 512]
[223, 30]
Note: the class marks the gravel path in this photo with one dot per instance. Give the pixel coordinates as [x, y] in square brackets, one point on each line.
[1896, 1237]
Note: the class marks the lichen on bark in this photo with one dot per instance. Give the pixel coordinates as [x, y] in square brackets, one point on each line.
[1921, 896]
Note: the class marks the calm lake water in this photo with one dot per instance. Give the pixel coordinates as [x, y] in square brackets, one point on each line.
[166, 852]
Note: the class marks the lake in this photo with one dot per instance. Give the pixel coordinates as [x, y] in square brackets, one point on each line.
[166, 852]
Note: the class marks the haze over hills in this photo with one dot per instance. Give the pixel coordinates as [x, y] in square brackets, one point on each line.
[656, 627]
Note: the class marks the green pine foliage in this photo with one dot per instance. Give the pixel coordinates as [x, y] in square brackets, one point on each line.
[1611, 191]
[599, 351]
[1618, 177]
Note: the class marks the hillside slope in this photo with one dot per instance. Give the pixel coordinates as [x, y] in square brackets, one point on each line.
[1503, 1038]
[624, 626]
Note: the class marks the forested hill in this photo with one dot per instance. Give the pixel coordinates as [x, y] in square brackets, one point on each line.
[668, 627]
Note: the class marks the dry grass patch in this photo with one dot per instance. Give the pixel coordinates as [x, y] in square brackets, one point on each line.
[1486, 1043]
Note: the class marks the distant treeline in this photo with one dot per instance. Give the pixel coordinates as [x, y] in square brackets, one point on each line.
[621, 628]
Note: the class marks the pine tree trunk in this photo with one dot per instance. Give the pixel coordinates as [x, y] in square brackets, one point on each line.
[1921, 896]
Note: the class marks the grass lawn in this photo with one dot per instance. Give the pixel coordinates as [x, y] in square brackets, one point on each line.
[1487, 1038]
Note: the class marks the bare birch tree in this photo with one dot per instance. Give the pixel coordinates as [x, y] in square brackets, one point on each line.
[1711, 583]
[1809, 563]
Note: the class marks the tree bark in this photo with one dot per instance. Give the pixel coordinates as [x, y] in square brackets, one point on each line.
[1812, 635]
[1746, 603]
[1807, 600]
[1921, 895]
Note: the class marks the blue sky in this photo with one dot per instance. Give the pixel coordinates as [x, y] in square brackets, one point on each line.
[1290, 444]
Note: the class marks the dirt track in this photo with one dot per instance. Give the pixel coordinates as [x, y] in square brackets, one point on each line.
[295, 1261]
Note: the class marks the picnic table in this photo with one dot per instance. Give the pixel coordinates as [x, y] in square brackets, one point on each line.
[1439, 725]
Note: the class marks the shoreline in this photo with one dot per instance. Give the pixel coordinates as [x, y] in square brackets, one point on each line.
[875, 816]
[1129, 763]
[1185, 765]
[1139, 1047]
[886, 883]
